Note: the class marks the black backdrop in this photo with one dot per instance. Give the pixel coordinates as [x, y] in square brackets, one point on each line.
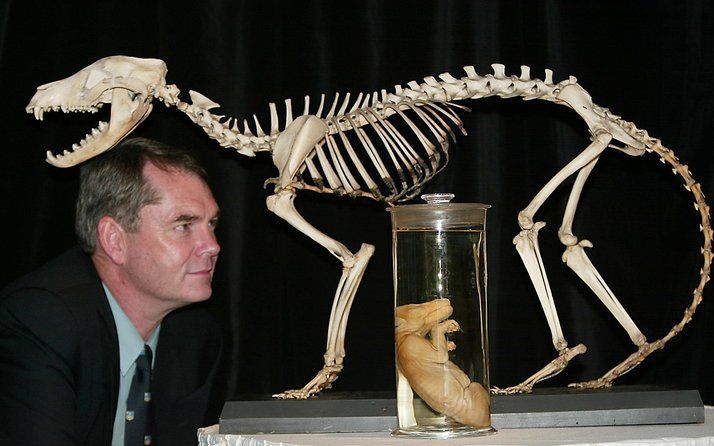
[650, 62]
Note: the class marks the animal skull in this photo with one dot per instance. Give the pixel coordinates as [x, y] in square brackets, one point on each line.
[130, 84]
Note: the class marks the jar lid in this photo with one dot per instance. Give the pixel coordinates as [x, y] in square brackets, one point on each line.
[439, 214]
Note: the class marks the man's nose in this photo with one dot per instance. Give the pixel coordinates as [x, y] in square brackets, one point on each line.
[208, 243]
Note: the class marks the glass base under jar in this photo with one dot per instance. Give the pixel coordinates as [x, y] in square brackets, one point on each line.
[442, 431]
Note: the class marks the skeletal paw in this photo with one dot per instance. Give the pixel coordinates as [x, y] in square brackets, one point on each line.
[295, 394]
[520, 388]
[323, 380]
[592, 384]
[551, 369]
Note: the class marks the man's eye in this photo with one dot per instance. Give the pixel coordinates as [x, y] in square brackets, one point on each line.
[183, 227]
[213, 224]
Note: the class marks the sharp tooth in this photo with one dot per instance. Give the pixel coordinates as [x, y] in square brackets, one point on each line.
[64, 109]
[95, 132]
[75, 147]
[82, 142]
[50, 156]
[66, 152]
[103, 125]
[36, 112]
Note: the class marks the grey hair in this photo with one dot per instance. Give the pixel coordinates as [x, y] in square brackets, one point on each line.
[114, 185]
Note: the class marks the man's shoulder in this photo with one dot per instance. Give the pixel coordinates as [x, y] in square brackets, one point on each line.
[68, 277]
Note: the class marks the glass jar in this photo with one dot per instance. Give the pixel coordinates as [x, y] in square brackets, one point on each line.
[441, 341]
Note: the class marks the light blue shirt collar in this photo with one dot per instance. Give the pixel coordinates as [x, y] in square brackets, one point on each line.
[131, 344]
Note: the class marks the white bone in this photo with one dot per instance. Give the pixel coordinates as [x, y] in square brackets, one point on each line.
[339, 166]
[499, 70]
[202, 101]
[332, 177]
[274, 124]
[306, 110]
[319, 108]
[471, 72]
[331, 113]
[431, 81]
[446, 77]
[356, 161]
[356, 105]
[258, 129]
[386, 142]
[288, 112]
[414, 85]
[345, 103]
[525, 73]
[246, 128]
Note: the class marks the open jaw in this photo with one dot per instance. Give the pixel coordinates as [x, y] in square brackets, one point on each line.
[89, 138]
[128, 110]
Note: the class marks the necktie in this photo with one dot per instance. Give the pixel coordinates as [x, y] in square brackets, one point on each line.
[139, 414]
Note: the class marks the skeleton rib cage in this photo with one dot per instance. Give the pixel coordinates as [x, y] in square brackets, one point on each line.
[367, 154]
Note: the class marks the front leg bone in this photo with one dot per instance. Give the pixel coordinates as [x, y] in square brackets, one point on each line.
[353, 266]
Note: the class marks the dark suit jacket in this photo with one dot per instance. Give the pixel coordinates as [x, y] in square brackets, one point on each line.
[59, 362]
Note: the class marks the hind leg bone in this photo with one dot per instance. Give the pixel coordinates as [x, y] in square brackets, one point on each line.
[527, 246]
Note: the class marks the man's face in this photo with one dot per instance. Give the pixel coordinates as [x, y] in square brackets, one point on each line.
[171, 258]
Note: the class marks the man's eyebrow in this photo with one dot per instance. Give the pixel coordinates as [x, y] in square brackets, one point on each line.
[185, 218]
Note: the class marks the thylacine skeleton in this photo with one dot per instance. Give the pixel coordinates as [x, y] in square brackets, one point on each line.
[384, 146]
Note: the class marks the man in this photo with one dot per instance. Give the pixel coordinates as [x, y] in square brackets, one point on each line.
[75, 334]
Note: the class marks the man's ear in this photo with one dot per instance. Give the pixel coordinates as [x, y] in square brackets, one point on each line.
[111, 237]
